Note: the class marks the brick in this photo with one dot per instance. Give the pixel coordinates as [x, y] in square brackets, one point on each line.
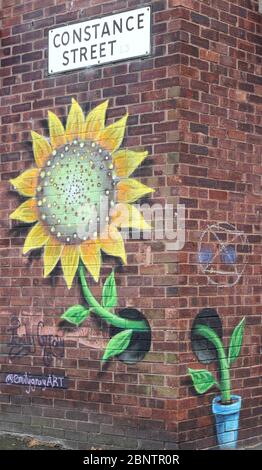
[189, 50]
[21, 28]
[165, 392]
[200, 19]
[203, 129]
[10, 40]
[22, 48]
[10, 61]
[33, 15]
[21, 107]
[32, 56]
[236, 135]
[198, 149]
[219, 26]
[209, 55]
[218, 195]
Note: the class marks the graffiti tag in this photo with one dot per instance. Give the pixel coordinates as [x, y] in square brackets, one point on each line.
[223, 254]
[25, 344]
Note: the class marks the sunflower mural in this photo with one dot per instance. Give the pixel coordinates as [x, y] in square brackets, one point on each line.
[80, 197]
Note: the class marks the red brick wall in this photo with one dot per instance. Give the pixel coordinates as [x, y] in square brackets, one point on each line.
[194, 105]
[220, 170]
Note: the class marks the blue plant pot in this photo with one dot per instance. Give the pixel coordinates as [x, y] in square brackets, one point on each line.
[227, 421]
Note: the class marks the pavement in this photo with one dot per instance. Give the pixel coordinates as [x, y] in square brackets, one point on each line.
[11, 442]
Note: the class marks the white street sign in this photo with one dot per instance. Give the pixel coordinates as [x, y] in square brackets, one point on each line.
[111, 38]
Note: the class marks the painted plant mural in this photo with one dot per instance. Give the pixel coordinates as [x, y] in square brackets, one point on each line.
[80, 198]
[208, 346]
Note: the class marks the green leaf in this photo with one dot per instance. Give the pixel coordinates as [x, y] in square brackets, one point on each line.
[109, 294]
[236, 342]
[202, 379]
[117, 344]
[76, 314]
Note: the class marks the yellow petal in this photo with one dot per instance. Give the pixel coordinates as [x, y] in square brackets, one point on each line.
[36, 238]
[70, 261]
[130, 190]
[128, 216]
[53, 250]
[112, 243]
[95, 121]
[75, 122]
[27, 212]
[91, 256]
[42, 149]
[126, 161]
[56, 131]
[26, 183]
[112, 136]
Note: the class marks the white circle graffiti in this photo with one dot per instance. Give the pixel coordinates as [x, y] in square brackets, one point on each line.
[222, 254]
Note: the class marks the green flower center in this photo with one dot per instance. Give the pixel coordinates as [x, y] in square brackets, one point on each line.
[75, 191]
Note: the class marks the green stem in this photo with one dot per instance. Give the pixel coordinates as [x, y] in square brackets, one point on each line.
[105, 314]
[225, 385]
